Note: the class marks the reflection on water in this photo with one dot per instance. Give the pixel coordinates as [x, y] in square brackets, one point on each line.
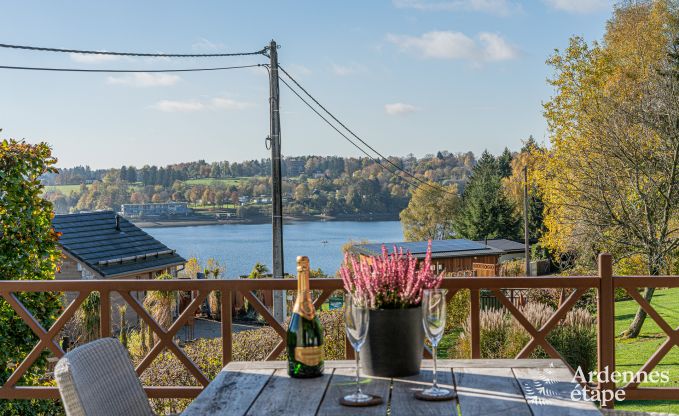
[240, 246]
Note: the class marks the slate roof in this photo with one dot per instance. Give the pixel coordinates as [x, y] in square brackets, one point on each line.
[439, 248]
[92, 238]
[508, 246]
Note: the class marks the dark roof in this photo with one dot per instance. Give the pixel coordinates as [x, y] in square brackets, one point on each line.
[508, 246]
[439, 248]
[92, 238]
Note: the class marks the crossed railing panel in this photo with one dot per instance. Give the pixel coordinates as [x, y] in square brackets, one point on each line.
[605, 284]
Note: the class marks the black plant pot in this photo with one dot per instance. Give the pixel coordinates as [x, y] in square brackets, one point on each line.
[394, 344]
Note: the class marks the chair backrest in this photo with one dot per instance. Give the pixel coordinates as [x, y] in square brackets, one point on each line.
[98, 379]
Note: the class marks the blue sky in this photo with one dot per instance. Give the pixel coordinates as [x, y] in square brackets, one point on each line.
[410, 76]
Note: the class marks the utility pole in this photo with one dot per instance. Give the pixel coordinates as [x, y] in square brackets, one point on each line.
[525, 219]
[277, 186]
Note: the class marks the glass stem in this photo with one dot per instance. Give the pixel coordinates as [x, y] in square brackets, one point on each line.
[433, 347]
[358, 380]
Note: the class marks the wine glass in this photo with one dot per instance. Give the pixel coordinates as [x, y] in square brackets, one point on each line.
[434, 321]
[356, 318]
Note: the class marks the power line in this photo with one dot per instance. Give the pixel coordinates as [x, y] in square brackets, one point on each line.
[221, 68]
[436, 187]
[345, 136]
[154, 55]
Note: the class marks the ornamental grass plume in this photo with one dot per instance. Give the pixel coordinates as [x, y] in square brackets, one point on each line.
[389, 281]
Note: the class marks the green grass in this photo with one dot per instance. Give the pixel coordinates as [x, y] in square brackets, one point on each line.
[631, 354]
[64, 189]
[212, 181]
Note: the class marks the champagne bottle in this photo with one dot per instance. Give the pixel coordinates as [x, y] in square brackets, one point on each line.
[305, 334]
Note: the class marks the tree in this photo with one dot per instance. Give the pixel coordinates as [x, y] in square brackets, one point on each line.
[504, 162]
[485, 211]
[28, 251]
[531, 156]
[429, 214]
[611, 180]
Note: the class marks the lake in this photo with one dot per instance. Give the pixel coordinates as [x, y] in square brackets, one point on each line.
[239, 246]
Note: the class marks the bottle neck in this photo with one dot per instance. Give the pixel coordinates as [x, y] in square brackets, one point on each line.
[303, 304]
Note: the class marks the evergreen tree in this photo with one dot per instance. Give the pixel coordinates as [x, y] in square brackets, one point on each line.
[123, 173]
[485, 211]
[504, 162]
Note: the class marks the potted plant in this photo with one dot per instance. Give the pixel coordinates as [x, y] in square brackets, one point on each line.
[392, 285]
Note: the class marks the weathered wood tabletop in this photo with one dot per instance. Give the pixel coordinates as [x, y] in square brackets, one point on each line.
[484, 387]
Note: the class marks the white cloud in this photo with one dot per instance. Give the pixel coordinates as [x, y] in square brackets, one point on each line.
[93, 59]
[189, 106]
[456, 45]
[145, 79]
[580, 6]
[206, 45]
[398, 109]
[346, 70]
[499, 7]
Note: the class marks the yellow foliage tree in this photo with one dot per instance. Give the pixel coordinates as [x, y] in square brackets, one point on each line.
[610, 180]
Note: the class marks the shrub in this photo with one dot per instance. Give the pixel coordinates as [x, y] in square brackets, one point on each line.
[28, 251]
[458, 310]
[502, 336]
[251, 345]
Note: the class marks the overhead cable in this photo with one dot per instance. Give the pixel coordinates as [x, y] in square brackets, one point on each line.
[221, 68]
[153, 55]
[423, 182]
[356, 145]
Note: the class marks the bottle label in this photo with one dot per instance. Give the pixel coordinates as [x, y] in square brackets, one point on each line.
[310, 356]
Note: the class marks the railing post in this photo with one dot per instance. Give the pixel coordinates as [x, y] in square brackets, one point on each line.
[226, 326]
[475, 311]
[105, 313]
[606, 325]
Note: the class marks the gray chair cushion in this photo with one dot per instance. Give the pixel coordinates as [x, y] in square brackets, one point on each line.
[98, 379]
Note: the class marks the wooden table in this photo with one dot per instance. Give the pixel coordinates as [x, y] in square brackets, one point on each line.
[484, 387]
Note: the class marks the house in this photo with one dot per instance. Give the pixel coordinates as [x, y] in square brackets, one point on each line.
[168, 209]
[512, 250]
[104, 245]
[452, 256]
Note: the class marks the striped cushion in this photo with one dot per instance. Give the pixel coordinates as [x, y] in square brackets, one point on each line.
[98, 379]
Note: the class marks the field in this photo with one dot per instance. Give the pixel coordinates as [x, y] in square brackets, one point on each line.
[64, 189]
[211, 181]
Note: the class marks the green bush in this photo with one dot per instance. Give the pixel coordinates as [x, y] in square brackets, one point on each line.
[503, 337]
[28, 251]
[458, 310]
[252, 345]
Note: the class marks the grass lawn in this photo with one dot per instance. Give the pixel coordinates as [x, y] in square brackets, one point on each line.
[212, 181]
[64, 189]
[630, 355]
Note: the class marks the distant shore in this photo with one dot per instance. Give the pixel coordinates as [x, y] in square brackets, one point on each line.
[195, 221]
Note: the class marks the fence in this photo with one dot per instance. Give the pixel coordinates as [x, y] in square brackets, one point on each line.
[604, 284]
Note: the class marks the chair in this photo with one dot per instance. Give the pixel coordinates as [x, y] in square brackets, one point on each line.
[98, 379]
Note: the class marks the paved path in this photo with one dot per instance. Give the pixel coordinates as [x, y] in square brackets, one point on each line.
[205, 328]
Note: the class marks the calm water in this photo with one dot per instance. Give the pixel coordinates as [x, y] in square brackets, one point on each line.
[240, 246]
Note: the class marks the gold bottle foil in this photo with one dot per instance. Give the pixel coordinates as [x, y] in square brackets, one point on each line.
[304, 307]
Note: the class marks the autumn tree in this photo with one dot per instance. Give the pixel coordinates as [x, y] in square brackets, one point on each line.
[611, 179]
[429, 214]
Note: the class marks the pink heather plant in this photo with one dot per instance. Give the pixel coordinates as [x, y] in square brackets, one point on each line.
[389, 281]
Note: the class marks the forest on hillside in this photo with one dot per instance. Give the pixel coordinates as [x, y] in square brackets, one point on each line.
[312, 185]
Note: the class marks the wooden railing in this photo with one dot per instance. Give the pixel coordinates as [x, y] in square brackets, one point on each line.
[604, 284]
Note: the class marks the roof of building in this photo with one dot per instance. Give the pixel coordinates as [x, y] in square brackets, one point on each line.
[439, 248]
[508, 246]
[93, 239]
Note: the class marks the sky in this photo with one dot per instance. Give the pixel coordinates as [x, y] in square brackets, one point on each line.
[409, 76]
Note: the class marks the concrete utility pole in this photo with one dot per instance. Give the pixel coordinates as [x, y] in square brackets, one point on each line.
[277, 186]
[525, 219]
